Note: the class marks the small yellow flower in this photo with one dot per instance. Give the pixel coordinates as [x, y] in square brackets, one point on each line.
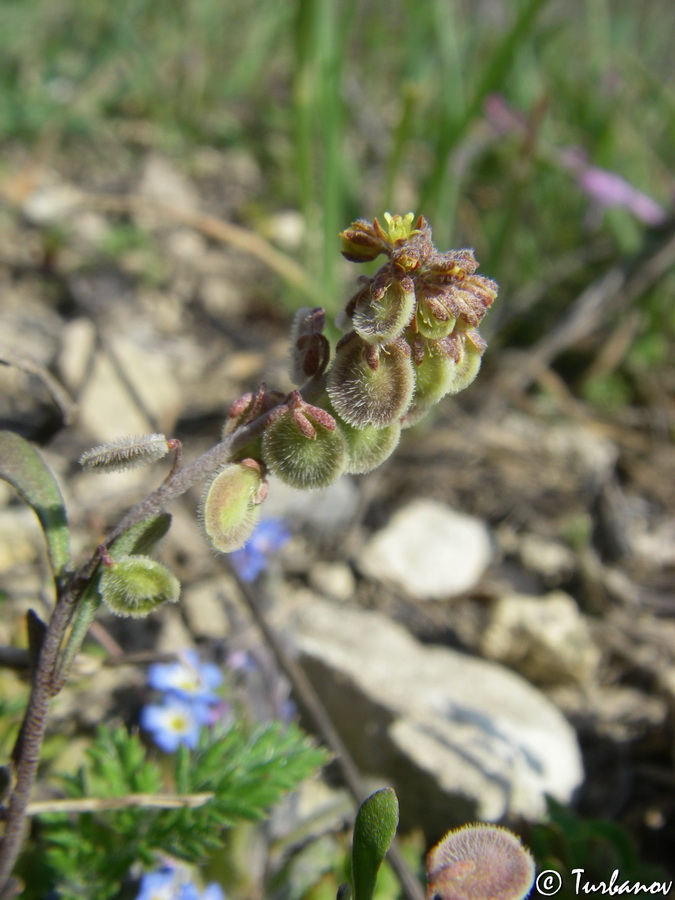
[400, 227]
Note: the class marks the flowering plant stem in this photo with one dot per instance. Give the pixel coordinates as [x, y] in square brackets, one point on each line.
[48, 675]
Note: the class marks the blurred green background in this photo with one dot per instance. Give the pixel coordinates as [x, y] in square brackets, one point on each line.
[472, 113]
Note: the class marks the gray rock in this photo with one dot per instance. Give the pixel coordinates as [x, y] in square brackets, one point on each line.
[429, 550]
[458, 737]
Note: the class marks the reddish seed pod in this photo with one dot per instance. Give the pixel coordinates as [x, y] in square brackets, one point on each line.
[479, 862]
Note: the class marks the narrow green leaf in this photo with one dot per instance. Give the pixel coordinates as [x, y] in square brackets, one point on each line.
[23, 467]
[140, 539]
[374, 830]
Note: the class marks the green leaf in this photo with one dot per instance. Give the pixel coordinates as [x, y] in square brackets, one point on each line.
[374, 830]
[23, 467]
[247, 770]
[140, 539]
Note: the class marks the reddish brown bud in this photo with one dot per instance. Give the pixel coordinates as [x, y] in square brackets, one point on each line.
[310, 350]
[249, 406]
[361, 242]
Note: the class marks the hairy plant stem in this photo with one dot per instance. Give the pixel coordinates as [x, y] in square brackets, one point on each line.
[45, 681]
[29, 742]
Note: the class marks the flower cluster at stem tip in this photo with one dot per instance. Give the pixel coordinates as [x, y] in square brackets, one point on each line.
[188, 703]
[411, 338]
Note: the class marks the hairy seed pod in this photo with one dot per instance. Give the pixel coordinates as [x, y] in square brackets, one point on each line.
[433, 320]
[467, 361]
[126, 453]
[367, 448]
[479, 862]
[448, 367]
[231, 505]
[304, 452]
[383, 311]
[367, 387]
[135, 585]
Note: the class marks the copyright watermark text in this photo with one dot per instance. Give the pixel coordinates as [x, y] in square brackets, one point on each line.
[550, 882]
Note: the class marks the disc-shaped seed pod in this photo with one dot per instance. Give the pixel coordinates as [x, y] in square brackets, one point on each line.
[479, 862]
[135, 585]
[231, 505]
[304, 461]
[467, 365]
[447, 368]
[369, 387]
[367, 448]
[384, 310]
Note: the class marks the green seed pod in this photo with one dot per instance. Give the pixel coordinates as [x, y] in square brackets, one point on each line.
[370, 387]
[304, 454]
[466, 368]
[384, 310]
[367, 448]
[135, 585]
[448, 367]
[231, 505]
[433, 320]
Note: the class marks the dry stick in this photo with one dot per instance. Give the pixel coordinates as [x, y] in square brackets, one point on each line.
[127, 801]
[57, 392]
[308, 698]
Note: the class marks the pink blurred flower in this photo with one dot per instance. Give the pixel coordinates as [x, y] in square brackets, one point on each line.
[606, 189]
[609, 189]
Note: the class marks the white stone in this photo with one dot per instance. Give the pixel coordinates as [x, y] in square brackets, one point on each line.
[78, 342]
[203, 605]
[163, 182]
[335, 580]
[458, 737]
[547, 639]
[428, 550]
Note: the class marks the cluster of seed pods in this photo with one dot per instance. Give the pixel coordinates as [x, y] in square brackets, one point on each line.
[411, 338]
